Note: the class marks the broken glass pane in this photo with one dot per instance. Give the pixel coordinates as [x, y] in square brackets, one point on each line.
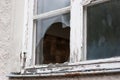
[103, 30]
[52, 34]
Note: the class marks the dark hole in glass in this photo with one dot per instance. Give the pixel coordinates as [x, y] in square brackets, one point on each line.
[103, 30]
[56, 44]
[52, 39]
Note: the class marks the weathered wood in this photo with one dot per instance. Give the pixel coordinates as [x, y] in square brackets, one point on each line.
[81, 69]
[76, 34]
[28, 31]
[78, 25]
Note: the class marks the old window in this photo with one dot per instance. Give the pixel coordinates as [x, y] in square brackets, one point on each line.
[67, 37]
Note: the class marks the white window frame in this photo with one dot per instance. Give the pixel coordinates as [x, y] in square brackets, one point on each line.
[76, 65]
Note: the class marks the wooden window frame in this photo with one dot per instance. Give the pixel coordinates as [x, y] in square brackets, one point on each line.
[78, 65]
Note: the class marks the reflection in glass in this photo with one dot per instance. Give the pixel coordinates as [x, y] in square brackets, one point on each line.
[52, 34]
[103, 30]
[49, 5]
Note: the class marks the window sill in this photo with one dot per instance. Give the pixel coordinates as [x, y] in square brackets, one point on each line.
[102, 66]
[70, 74]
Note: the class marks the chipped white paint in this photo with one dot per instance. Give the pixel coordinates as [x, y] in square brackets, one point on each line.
[24, 40]
[76, 34]
[28, 32]
[109, 65]
[76, 42]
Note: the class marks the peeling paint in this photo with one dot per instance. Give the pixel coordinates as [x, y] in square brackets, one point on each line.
[76, 46]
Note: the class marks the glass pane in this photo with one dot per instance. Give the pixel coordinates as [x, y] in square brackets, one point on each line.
[103, 30]
[52, 40]
[49, 5]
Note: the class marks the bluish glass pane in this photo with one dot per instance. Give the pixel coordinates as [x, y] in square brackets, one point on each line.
[103, 30]
[49, 5]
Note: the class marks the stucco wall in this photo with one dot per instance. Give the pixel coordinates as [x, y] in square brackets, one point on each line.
[11, 21]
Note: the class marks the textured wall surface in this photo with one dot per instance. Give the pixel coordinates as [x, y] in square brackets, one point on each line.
[10, 38]
[5, 37]
[85, 77]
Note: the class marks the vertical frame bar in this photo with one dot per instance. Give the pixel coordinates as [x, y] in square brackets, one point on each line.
[85, 33]
[28, 32]
[34, 34]
[76, 33]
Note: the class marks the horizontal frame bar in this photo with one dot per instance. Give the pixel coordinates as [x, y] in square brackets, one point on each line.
[52, 13]
[94, 2]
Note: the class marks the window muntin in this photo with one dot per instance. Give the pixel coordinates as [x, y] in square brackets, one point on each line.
[50, 5]
[57, 33]
[103, 35]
